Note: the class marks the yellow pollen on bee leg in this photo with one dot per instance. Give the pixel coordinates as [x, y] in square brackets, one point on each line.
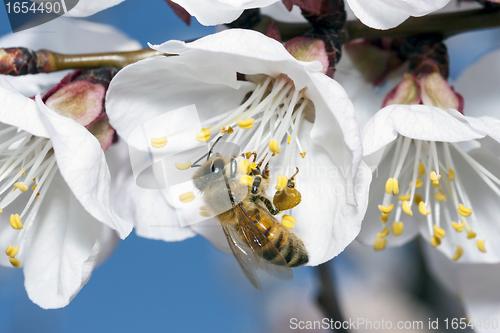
[15, 262]
[253, 166]
[419, 183]
[404, 197]
[435, 241]
[421, 169]
[407, 207]
[458, 253]
[384, 217]
[439, 232]
[380, 244]
[397, 228]
[204, 135]
[384, 232]
[417, 199]
[244, 167]
[440, 195]
[183, 166]
[281, 182]
[464, 211]
[386, 209]
[392, 186]
[274, 146]
[186, 197]
[451, 175]
[435, 178]
[422, 207]
[21, 186]
[459, 227]
[15, 222]
[246, 180]
[480, 245]
[245, 124]
[159, 142]
[288, 221]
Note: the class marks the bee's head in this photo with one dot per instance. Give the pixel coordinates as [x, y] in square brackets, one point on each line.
[212, 170]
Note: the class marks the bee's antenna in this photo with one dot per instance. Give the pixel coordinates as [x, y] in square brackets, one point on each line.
[194, 165]
[295, 174]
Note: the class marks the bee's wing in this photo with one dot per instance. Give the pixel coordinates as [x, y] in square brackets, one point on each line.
[243, 255]
[262, 247]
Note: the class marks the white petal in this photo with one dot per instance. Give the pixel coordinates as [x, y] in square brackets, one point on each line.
[386, 14]
[414, 121]
[90, 7]
[325, 222]
[83, 165]
[18, 110]
[67, 36]
[213, 12]
[277, 11]
[62, 248]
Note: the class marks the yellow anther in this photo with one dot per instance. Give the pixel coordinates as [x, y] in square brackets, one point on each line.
[419, 183]
[246, 180]
[14, 251]
[384, 217]
[303, 154]
[246, 124]
[187, 197]
[34, 179]
[230, 130]
[421, 169]
[384, 233]
[404, 197]
[464, 211]
[288, 140]
[417, 199]
[380, 244]
[439, 232]
[183, 166]
[15, 262]
[23, 172]
[397, 228]
[458, 253]
[459, 227]
[274, 146]
[281, 182]
[8, 250]
[407, 207]
[288, 221]
[480, 245]
[34, 187]
[15, 222]
[440, 195]
[21, 186]
[36, 196]
[247, 155]
[435, 241]
[471, 234]
[204, 135]
[159, 142]
[244, 167]
[451, 175]
[422, 207]
[435, 178]
[386, 209]
[392, 186]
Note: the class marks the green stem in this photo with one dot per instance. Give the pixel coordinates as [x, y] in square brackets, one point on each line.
[447, 25]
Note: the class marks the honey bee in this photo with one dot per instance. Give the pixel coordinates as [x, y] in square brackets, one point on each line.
[256, 238]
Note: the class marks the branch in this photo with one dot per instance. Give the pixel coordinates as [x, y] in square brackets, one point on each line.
[21, 61]
[447, 25]
[327, 297]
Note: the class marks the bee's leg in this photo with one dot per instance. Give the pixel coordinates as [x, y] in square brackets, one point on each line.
[256, 183]
[265, 172]
[269, 206]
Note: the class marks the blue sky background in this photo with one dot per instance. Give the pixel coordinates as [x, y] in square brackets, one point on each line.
[153, 286]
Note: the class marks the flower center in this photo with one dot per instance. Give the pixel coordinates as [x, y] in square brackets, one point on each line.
[28, 165]
[423, 173]
[265, 125]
